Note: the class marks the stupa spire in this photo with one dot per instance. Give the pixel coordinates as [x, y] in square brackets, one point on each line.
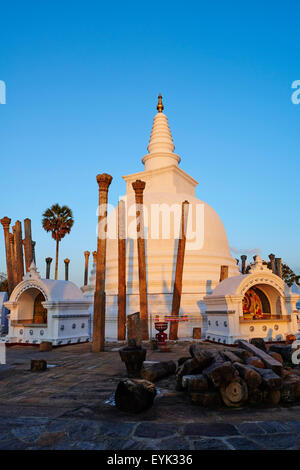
[161, 146]
[160, 105]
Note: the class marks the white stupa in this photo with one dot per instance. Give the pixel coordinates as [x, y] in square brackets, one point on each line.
[167, 186]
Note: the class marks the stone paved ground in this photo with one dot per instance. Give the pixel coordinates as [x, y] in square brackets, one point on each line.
[70, 407]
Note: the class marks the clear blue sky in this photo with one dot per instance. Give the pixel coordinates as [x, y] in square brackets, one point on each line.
[82, 80]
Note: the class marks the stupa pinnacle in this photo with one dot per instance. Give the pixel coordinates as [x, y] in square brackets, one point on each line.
[161, 146]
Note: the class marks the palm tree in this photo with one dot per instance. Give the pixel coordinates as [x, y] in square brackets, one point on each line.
[58, 220]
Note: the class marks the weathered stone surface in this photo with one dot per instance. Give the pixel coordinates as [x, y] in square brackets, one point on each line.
[158, 431]
[213, 430]
[191, 366]
[157, 371]
[208, 399]
[272, 427]
[234, 394]
[259, 343]
[220, 373]
[252, 378]
[39, 365]
[203, 356]
[210, 444]
[290, 390]
[284, 350]
[268, 361]
[276, 356]
[277, 441]
[255, 362]
[241, 443]
[133, 358]
[134, 328]
[195, 383]
[270, 380]
[249, 428]
[134, 395]
[181, 360]
[230, 356]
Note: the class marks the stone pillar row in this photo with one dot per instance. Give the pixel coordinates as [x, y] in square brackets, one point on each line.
[14, 250]
[276, 264]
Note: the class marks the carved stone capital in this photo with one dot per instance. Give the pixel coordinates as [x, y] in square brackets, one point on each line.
[5, 222]
[66, 261]
[104, 181]
[139, 187]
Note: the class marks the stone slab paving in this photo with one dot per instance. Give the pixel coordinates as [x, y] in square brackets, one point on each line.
[70, 406]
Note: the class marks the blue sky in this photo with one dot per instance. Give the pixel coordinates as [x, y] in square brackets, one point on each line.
[82, 80]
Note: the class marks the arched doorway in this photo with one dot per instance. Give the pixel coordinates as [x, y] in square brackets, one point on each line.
[261, 301]
[30, 308]
[39, 312]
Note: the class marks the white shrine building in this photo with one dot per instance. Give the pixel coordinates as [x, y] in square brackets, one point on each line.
[254, 305]
[47, 310]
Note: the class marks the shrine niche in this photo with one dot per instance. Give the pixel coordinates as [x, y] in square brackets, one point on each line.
[47, 310]
[39, 312]
[258, 304]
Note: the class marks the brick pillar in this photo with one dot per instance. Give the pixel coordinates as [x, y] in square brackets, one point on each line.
[103, 181]
[5, 223]
[273, 265]
[139, 187]
[121, 272]
[177, 290]
[13, 257]
[19, 251]
[278, 264]
[67, 262]
[223, 273]
[27, 244]
[48, 266]
[86, 267]
[243, 258]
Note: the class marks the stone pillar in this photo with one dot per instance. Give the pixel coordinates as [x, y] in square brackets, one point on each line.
[273, 265]
[139, 187]
[86, 267]
[19, 251]
[278, 264]
[13, 257]
[243, 258]
[223, 273]
[67, 262]
[121, 272]
[94, 257]
[103, 181]
[177, 290]
[48, 266]
[27, 244]
[5, 223]
[237, 261]
[33, 251]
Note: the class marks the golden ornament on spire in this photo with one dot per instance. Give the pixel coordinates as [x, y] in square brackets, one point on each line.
[160, 106]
